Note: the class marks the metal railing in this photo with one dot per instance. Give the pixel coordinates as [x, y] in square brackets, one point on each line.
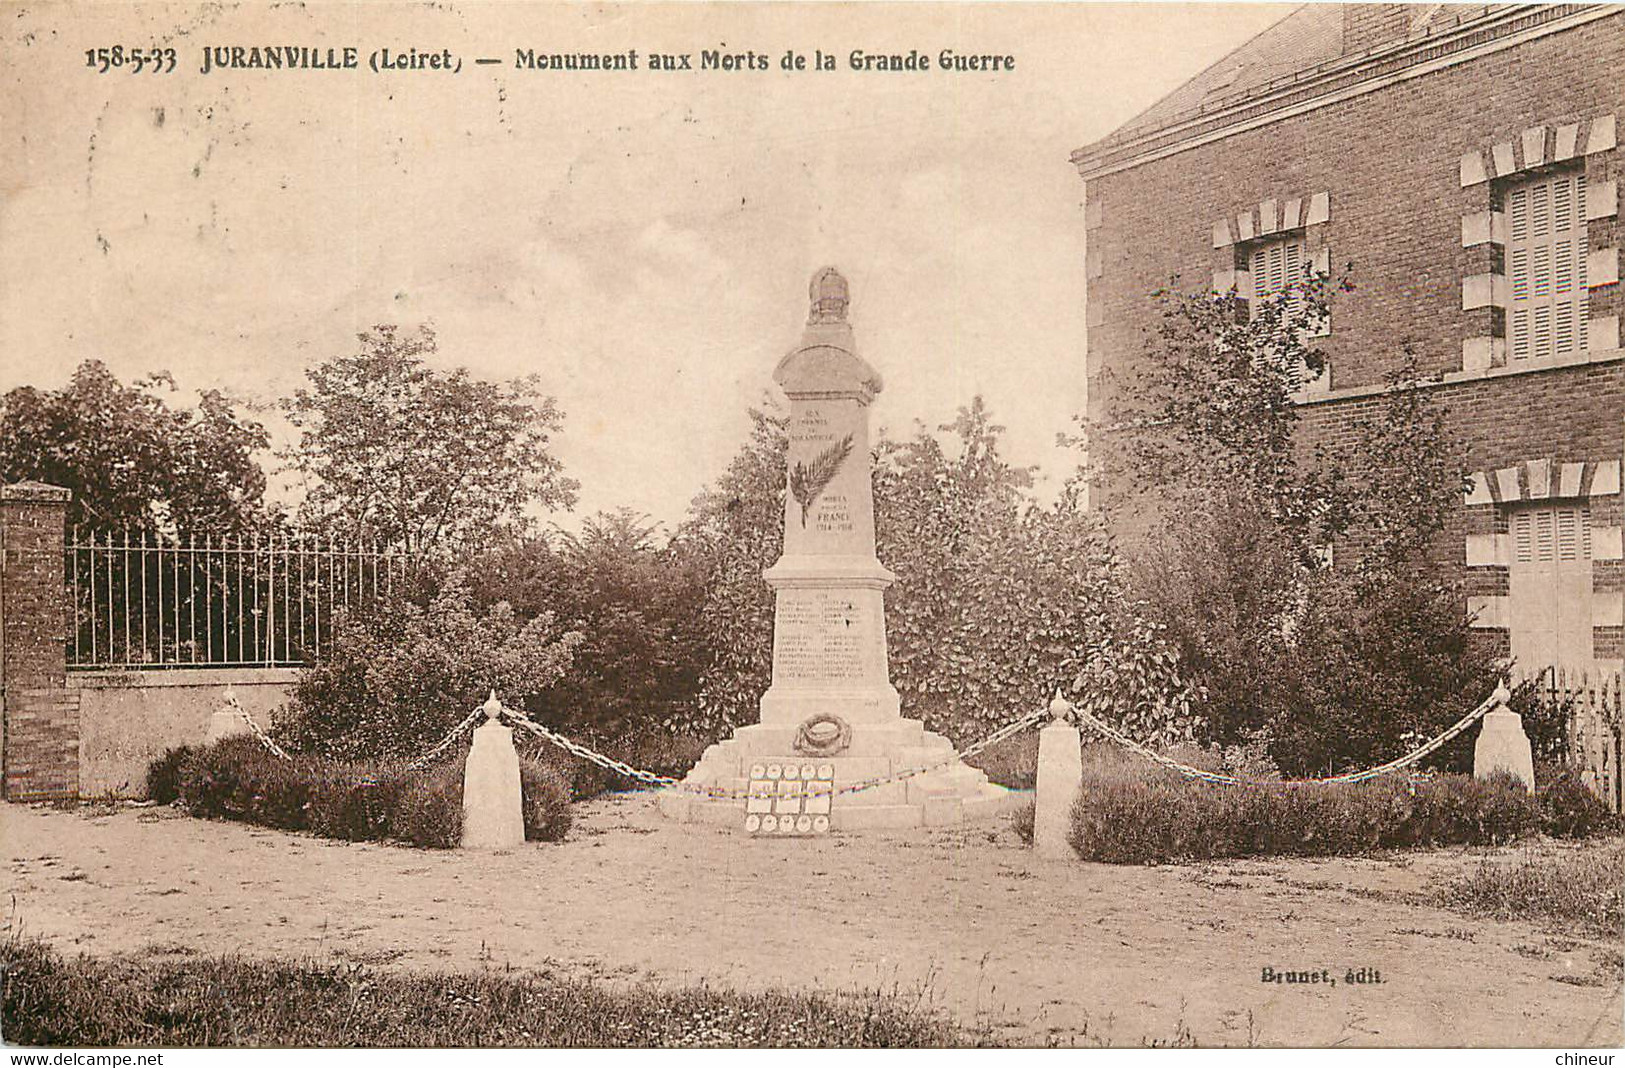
[144, 601]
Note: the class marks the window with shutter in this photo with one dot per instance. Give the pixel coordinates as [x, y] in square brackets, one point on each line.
[1546, 262]
[1278, 270]
[1549, 585]
[1551, 535]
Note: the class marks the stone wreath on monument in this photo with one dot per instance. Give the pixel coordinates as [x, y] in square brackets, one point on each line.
[831, 696]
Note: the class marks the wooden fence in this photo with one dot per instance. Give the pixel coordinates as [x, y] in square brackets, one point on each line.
[1591, 697]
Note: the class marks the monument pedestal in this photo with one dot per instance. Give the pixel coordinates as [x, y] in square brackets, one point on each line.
[832, 702]
[943, 797]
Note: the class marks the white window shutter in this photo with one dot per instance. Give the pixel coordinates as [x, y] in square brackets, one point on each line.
[1523, 537]
[1546, 254]
[1545, 535]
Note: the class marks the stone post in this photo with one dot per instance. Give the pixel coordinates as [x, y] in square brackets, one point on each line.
[1060, 771]
[40, 736]
[1502, 744]
[493, 799]
[227, 719]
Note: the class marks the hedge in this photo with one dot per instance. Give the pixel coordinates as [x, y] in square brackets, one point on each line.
[1119, 820]
[237, 779]
[1130, 812]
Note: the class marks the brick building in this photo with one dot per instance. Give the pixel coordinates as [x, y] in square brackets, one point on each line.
[1464, 160]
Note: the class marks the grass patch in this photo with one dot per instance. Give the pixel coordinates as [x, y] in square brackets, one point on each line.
[51, 1000]
[1577, 889]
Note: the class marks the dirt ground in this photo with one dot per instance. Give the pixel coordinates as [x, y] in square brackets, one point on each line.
[968, 921]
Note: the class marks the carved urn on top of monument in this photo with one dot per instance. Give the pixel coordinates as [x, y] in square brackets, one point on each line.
[831, 702]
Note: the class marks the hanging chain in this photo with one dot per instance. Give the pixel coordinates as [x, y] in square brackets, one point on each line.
[666, 782]
[456, 732]
[1083, 717]
[953, 758]
[264, 739]
[1097, 725]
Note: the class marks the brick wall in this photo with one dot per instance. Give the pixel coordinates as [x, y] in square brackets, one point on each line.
[41, 714]
[1390, 162]
[1566, 415]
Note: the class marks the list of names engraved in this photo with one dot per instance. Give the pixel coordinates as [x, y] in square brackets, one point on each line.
[821, 636]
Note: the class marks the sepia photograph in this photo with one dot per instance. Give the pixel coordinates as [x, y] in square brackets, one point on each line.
[826, 525]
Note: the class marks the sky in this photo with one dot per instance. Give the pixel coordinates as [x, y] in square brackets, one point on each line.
[641, 241]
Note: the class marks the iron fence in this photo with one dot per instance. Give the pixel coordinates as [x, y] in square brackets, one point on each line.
[143, 601]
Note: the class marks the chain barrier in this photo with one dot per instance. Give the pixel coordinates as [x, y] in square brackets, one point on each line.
[417, 765]
[953, 758]
[456, 732]
[666, 782]
[264, 739]
[1083, 717]
[1087, 719]
[591, 756]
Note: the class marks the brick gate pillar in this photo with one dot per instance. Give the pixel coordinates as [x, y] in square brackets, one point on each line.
[40, 741]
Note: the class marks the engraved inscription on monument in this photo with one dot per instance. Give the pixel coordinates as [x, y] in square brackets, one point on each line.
[811, 430]
[832, 515]
[822, 636]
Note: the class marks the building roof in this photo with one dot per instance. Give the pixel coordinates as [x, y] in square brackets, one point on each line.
[1310, 35]
[1305, 53]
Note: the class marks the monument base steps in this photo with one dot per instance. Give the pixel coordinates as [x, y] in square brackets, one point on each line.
[943, 811]
[942, 797]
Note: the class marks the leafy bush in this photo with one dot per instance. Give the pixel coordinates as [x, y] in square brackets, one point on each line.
[1159, 816]
[546, 801]
[430, 813]
[163, 775]
[237, 779]
[635, 603]
[352, 802]
[400, 677]
[1569, 809]
[1022, 819]
[1460, 809]
[1382, 661]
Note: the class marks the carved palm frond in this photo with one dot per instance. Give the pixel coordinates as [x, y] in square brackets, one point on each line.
[807, 481]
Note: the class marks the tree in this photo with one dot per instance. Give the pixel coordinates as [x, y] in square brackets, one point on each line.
[734, 532]
[935, 509]
[131, 459]
[636, 604]
[421, 459]
[1329, 667]
[1001, 601]
[1210, 409]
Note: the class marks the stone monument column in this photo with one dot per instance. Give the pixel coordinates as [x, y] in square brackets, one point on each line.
[829, 618]
[831, 705]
